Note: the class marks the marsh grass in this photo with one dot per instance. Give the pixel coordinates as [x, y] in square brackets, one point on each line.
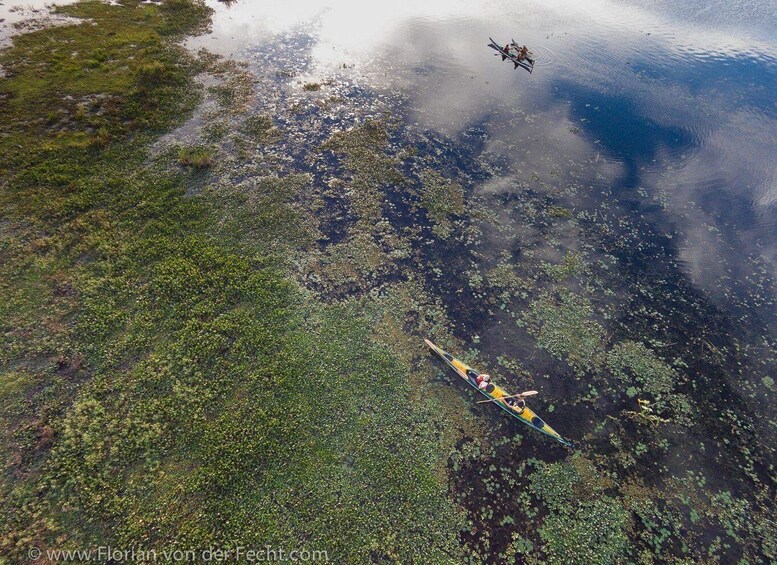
[196, 156]
[162, 379]
[260, 128]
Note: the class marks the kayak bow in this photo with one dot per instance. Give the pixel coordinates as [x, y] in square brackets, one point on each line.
[525, 415]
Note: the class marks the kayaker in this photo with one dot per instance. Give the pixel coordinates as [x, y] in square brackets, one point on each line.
[517, 404]
[523, 52]
[483, 381]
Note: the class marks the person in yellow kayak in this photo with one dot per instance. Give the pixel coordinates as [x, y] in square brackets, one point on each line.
[484, 383]
[517, 404]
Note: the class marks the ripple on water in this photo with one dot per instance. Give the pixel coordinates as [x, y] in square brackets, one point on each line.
[544, 56]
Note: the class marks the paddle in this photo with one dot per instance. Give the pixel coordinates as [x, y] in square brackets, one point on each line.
[527, 393]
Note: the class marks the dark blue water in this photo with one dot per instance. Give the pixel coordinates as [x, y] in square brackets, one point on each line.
[685, 115]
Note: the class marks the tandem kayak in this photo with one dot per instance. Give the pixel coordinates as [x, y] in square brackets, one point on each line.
[499, 396]
[509, 52]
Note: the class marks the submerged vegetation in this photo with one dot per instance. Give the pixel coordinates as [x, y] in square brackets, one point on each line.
[442, 199]
[216, 341]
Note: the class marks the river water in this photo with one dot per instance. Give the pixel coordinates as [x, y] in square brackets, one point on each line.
[667, 102]
[656, 119]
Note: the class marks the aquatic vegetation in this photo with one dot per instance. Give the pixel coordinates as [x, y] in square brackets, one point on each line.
[364, 151]
[505, 280]
[573, 264]
[357, 260]
[242, 345]
[583, 524]
[645, 415]
[260, 129]
[260, 215]
[559, 212]
[596, 532]
[564, 326]
[443, 199]
[632, 362]
[554, 484]
[216, 131]
[234, 93]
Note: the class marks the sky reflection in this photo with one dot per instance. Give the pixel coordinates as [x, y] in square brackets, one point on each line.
[673, 102]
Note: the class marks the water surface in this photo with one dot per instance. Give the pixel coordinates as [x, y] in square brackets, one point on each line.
[668, 102]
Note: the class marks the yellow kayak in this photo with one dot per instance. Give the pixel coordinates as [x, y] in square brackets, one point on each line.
[522, 413]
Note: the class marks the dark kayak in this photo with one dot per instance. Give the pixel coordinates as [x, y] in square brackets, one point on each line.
[526, 62]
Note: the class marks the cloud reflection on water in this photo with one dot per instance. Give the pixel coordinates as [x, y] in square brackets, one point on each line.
[684, 106]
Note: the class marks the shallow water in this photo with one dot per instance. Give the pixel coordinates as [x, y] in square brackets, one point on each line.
[654, 126]
[666, 102]
[17, 17]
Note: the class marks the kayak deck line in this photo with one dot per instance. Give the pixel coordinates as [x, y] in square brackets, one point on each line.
[498, 395]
